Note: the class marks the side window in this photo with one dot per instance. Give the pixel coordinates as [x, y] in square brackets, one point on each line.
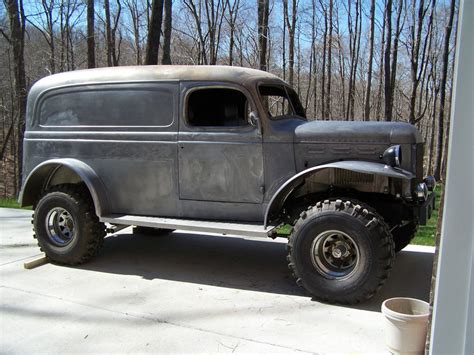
[217, 107]
[119, 106]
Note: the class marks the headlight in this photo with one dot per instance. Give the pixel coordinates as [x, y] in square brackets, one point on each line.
[393, 156]
[421, 191]
[430, 182]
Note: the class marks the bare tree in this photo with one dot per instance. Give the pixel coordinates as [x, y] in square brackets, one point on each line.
[231, 21]
[115, 45]
[136, 15]
[191, 5]
[108, 33]
[387, 67]
[327, 110]
[368, 87]
[323, 79]
[342, 67]
[16, 40]
[168, 7]
[90, 34]
[354, 49]
[291, 26]
[442, 98]
[393, 70]
[415, 36]
[154, 33]
[263, 14]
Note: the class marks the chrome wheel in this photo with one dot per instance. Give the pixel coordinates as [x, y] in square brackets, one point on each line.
[60, 226]
[335, 255]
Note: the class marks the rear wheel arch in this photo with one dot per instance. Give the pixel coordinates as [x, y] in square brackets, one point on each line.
[64, 171]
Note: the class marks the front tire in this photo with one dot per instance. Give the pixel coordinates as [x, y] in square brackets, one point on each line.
[340, 251]
[66, 226]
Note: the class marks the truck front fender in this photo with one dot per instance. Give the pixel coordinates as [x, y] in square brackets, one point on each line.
[280, 196]
[41, 176]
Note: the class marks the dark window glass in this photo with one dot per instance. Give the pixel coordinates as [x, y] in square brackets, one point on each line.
[217, 107]
[109, 107]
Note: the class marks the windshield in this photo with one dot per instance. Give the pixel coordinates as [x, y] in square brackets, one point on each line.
[281, 101]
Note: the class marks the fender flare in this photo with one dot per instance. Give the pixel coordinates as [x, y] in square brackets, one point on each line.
[39, 177]
[352, 165]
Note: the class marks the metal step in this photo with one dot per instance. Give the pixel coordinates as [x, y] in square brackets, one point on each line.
[244, 229]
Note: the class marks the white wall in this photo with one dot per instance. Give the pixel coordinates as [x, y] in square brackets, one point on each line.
[452, 327]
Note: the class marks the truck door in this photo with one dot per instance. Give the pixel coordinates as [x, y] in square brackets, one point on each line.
[219, 151]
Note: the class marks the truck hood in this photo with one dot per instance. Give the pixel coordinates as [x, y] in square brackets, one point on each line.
[357, 132]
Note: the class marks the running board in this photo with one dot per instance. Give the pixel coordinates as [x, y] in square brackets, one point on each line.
[244, 229]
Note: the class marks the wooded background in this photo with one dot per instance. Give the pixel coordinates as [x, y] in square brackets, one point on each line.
[386, 60]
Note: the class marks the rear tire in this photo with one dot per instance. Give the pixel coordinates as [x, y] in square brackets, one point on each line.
[66, 227]
[340, 251]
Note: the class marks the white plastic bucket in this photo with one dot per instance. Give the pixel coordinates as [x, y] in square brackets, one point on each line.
[406, 324]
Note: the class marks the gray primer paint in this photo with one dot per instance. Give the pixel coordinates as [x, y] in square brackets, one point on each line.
[225, 173]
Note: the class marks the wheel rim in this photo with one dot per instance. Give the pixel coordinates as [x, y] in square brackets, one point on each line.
[335, 255]
[60, 226]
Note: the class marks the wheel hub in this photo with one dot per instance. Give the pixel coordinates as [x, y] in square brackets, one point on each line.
[335, 254]
[60, 226]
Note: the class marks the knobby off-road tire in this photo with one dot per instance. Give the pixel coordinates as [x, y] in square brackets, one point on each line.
[402, 236]
[340, 251]
[149, 231]
[66, 227]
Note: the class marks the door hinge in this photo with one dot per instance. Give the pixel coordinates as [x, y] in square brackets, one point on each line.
[262, 189]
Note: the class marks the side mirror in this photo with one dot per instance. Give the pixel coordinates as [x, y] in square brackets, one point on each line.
[255, 121]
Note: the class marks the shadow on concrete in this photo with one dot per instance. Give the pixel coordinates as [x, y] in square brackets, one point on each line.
[238, 263]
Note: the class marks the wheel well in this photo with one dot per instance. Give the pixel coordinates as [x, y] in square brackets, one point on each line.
[393, 210]
[45, 178]
[307, 189]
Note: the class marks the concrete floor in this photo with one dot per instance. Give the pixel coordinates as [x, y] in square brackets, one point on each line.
[182, 293]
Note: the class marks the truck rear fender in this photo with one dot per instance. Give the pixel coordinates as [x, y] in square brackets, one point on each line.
[285, 190]
[59, 171]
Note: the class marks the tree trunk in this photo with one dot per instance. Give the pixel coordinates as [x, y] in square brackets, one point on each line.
[327, 110]
[442, 98]
[197, 19]
[168, 7]
[415, 37]
[381, 71]
[342, 69]
[90, 35]
[233, 13]
[154, 33]
[354, 53]
[323, 79]
[291, 26]
[393, 70]
[387, 67]
[263, 13]
[17, 20]
[371, 58]
[108, 33]
[115, 51]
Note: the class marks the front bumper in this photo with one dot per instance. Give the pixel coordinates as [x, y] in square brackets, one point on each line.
[425, 210]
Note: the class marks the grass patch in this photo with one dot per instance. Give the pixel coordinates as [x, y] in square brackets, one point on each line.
[11, 203]
[426, 234]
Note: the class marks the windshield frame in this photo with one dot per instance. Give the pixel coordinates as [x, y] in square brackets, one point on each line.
[291, 96]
